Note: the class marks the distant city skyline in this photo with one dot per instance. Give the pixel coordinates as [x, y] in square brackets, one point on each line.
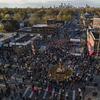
[47, 3]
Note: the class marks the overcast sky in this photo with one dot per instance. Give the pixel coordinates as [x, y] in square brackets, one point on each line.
[46, 3]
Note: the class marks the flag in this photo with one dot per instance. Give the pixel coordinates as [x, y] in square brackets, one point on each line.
[90, 43]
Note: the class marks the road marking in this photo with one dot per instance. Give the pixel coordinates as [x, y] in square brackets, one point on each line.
[59, 94]
[45, 93]
[53, 91]
[26, 91]
[66, 95]
[30, 96]
[73, 95]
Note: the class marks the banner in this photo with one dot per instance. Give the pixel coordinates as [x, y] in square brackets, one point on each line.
[90, 43]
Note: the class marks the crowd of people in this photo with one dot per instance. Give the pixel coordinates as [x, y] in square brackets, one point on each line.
[24, 69]
[34, 68]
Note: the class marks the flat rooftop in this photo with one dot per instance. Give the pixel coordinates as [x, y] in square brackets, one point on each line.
[24, 39]
[40, 25]
[6, 36]
[43, 25]
[25, 29]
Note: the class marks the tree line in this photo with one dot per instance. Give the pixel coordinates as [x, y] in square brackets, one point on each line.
[41, 15]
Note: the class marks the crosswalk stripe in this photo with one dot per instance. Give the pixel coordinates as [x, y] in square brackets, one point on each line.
[45, 93]
[26, 91]
[30, 96]
[66, 95]
[53, 91]
[73, 95]
[59, 94]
